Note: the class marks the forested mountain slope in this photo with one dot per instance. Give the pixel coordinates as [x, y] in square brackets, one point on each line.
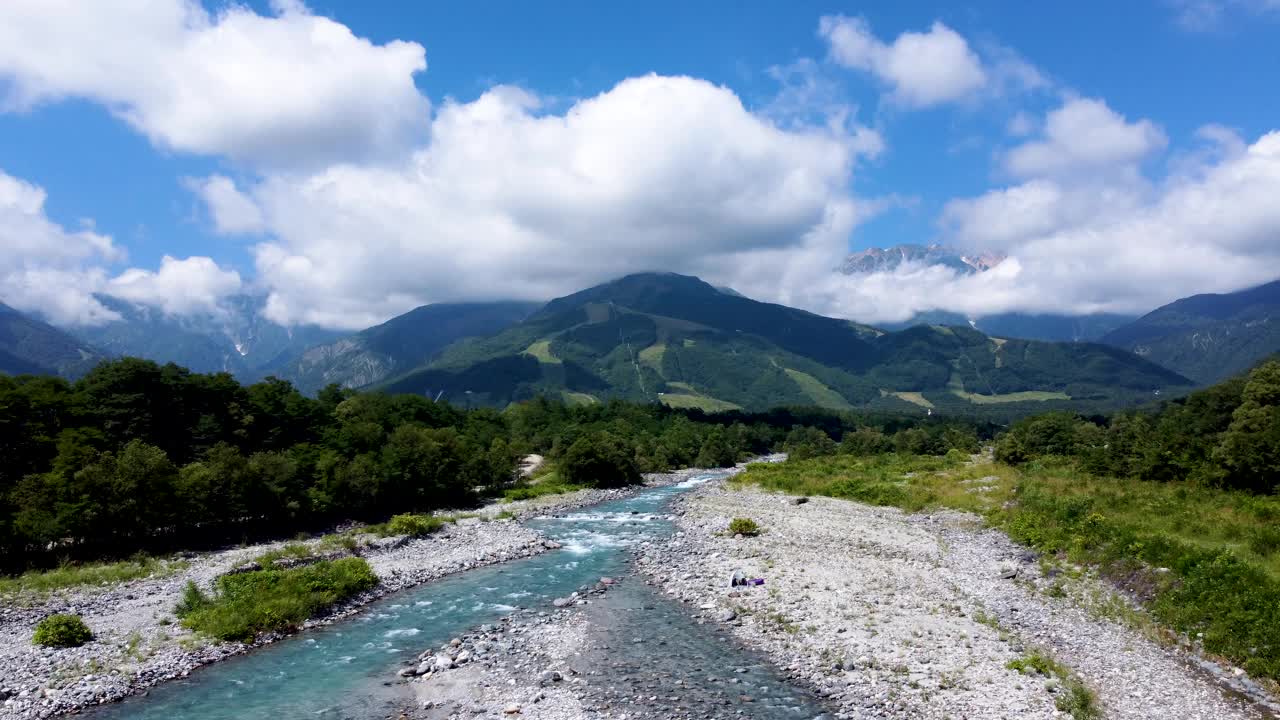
[1207, 337]
[681, 341]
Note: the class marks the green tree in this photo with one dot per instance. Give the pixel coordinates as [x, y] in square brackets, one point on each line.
[1249, 450]
[599, 459]
[716, 451]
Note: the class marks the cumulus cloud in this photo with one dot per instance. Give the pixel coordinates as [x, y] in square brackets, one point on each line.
[232, 211]
[179, 287]
[288, 89]
[921, 69]
[1085, 136]
[53, 272]
[46, 267]
[1077, 250]
[657, 173]
[1212, 15]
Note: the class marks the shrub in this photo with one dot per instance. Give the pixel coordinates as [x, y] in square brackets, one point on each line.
[414, 525]
[745, 527]
[62, 631]
[266, 600]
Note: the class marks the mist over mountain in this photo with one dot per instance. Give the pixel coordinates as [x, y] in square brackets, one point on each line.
[1031, 326]
[234, 338]
[32, 346]
[400, 344]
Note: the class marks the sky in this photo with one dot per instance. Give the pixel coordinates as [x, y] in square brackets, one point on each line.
[350, 161]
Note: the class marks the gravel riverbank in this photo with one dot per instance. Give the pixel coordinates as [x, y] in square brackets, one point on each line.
[138, 644]
[891, 615]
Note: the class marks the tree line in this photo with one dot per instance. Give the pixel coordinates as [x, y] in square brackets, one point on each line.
[138, 456]
[1227, 435]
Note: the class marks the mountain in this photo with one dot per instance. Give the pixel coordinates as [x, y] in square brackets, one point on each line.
[1207, 337]
[1050, 327]
[30, 346]
[678, 340]
[888, 259]
[402, 343]
[235, 339]
[1053, 328]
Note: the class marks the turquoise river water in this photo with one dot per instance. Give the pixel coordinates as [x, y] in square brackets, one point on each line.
[343, 670]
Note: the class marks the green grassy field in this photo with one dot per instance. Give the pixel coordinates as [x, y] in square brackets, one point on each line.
[1026, 396]
[1206, 561]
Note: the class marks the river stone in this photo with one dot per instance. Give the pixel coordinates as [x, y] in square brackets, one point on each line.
[561, 602]
[726, 615]
[442, 663]
[511, 709]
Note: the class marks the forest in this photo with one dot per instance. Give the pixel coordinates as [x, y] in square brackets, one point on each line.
[137, 456]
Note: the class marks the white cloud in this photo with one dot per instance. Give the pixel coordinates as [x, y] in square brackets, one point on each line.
[1085, 136]
[179, 287]
[45, 267]
[921, 69]
[54, 272]
[232, 211]
[657, 173]
[285, 90]
[1215, 228]
[1212, 15]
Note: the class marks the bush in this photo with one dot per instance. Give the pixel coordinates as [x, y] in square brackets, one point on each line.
[267, 600]
[62, 631]
[413, 525]
[745, 527]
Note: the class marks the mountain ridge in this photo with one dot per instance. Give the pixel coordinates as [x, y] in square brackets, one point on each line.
[679, 340]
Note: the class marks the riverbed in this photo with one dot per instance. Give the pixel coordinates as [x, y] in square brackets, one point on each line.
[348, 669]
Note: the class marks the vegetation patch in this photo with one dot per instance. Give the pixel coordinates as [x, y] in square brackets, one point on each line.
[652, 356]
[700, 402]
[1026, 396]
[914, 398]
[541, 351]
[294, 551]
[578, 398]
[69, 575]
[745, 527]
[411, 524]
[1073, 697]
[246, 604]
[820, 394]
[62, 631]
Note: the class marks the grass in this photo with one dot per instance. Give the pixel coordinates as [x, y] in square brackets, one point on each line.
[817, 392]
[247, 604]
[551, 485]
[411, 524]
[541, 350]
[1075, 698]
[693, 399]
[652, 356]
[745, 527]
[579, 398]
[1025, 396]
[914, 398]
[69, 575]
[1205, 562]
[293, 550]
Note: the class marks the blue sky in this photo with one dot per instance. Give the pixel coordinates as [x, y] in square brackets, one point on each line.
[1172, 68]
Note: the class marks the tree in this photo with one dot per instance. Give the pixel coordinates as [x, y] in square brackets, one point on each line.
[1250, 448]
[716, 451]
[805, 442]
[599, 459]
[865, 441]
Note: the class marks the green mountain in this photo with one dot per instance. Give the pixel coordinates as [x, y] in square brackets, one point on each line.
[1207, 337]
[402, 343]
[29, 346]
[678, 340]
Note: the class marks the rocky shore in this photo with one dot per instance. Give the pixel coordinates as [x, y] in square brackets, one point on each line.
[889, 615]
[138, 642]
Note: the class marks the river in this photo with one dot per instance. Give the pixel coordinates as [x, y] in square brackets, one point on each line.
[345, 670]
